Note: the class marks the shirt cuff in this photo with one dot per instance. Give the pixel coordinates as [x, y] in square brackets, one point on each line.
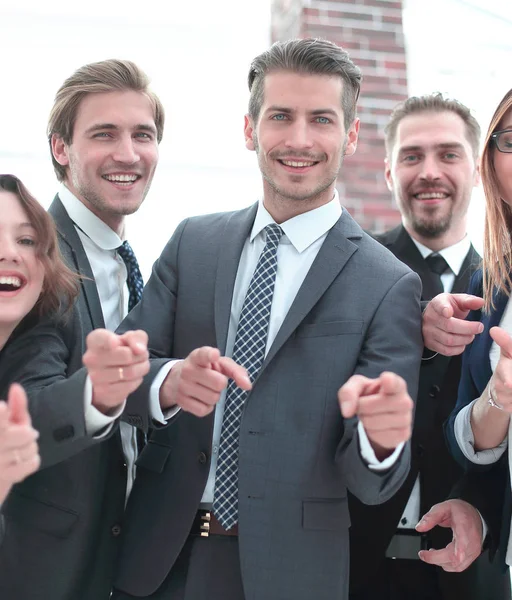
[466, 440]
[485, 529]
[155, 410]
[96, 421]
[368, 455]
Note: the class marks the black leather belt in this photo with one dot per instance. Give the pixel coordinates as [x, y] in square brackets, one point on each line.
[406, 543]
[205, 524]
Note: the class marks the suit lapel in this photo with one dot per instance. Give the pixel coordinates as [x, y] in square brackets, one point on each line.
[331, 259]
[469, 265]
[233, 238]
[406, 250]
[73, 249]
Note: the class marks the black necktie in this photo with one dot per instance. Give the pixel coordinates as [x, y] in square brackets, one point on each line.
[437, 265]
[134, 280]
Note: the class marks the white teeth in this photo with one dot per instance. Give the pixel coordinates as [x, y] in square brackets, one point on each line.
[14, 281]
[291, 163]
[121, 178]
[431, 195]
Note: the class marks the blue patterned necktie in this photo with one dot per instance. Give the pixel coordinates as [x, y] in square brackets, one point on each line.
[134, 280]
[248, 351]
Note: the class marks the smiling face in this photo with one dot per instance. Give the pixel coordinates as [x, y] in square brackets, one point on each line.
[300, 141]
[432, 172]
[21, 271]
[113, 154]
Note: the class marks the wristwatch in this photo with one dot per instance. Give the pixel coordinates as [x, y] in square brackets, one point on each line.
[490, 399]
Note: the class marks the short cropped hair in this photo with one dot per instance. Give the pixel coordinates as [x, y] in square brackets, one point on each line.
[308, 56]
[434, 103]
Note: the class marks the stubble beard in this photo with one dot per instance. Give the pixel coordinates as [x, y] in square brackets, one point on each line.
[301, 195]
[98, 201]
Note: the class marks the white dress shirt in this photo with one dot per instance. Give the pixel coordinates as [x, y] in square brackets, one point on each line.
[454, 256]
[110, 275]
[302, 239]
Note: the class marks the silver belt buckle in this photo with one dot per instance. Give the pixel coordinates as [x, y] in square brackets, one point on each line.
[205, 524]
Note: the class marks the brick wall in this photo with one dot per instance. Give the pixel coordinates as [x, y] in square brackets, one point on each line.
[371, 31]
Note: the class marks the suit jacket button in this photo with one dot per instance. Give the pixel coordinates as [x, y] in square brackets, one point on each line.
[202, 458]
[434, 391]
[116, 530]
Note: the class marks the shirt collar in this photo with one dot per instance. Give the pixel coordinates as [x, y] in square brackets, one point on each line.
[304, 229]
[453, 255]
[88, 222]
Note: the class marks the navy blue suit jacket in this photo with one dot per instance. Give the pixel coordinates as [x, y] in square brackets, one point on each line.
[488, 486]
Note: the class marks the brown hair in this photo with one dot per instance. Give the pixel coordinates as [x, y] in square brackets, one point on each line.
[96, 78]
[497, 260]
[308, 56]
[60, 284]
[434, 103]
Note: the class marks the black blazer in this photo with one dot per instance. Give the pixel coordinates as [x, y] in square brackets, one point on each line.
[430, 458]
[61, 523]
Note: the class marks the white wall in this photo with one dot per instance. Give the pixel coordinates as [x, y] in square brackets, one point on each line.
[197, 54]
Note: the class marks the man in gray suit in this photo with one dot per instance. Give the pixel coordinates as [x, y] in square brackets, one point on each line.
[292, 301]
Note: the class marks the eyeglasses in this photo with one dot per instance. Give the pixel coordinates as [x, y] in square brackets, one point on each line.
[503, 140]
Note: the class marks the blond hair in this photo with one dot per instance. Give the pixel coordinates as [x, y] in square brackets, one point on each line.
[497, 259]
[96, 78]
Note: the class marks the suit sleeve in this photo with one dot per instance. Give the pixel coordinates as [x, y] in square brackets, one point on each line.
[393, 343]
[155, 314]
[39, 360]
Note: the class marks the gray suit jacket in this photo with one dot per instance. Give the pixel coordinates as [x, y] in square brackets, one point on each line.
[358, 311]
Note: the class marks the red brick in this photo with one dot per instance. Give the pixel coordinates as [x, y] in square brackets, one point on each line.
[397, 19]
[382, 3]
[394, 64]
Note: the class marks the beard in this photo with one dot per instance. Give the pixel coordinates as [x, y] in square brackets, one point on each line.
[431, 227]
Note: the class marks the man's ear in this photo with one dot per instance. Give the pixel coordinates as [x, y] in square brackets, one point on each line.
[352, 136]
[249, 132]
[477, 179]
[387, 174]
[60, 150]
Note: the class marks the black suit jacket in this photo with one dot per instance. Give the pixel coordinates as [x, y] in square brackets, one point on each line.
[430, 457]
[62, 530]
